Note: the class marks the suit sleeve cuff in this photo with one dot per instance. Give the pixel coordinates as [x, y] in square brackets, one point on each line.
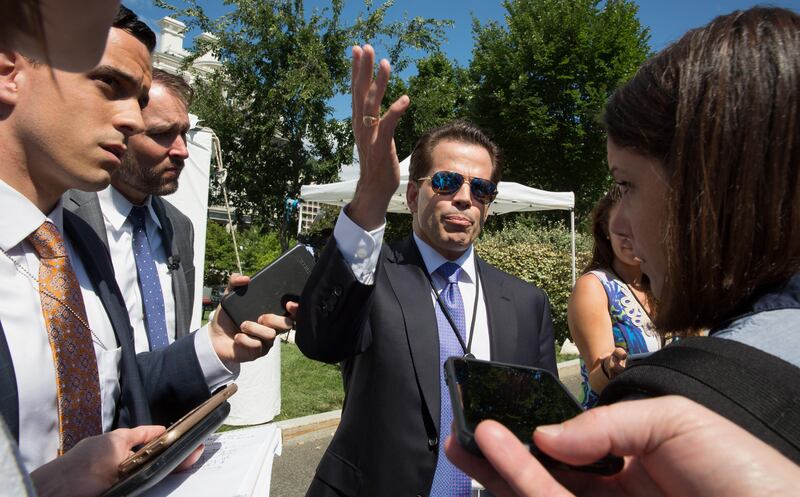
[361, 249]
[215, 372]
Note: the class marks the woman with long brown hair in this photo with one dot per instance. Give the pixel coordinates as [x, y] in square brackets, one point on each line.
[704, 144]
[609, 309]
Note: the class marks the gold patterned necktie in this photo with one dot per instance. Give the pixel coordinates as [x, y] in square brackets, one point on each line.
[77, 379]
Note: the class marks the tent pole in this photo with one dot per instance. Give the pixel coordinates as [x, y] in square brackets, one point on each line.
[572, 228]
[300, 218]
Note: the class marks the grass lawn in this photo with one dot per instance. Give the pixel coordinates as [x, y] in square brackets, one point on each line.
[307, 387]
[311, 387]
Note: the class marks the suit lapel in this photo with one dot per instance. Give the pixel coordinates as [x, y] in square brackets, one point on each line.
[9, 398]
[407, 276]
[179, 289]
[101, 274]
[132, 403]
[500, 313]
[87, 206]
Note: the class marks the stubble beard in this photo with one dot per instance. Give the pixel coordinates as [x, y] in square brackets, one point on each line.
[145, 180]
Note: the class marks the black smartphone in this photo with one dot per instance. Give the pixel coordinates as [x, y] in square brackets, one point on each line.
[518, 397]
[271, 288]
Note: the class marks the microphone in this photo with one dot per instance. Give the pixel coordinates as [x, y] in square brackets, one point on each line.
[173, 262]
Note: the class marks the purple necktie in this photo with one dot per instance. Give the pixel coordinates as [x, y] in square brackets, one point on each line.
[449, 481]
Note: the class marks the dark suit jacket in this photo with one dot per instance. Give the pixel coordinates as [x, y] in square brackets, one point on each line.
[386, 337]
[178, 236]
[155, 387]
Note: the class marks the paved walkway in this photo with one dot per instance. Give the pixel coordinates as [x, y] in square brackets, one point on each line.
[305, 440]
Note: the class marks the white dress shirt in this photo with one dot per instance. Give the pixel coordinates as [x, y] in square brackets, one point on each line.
[26, 333]
[361, 249]
[119, 231]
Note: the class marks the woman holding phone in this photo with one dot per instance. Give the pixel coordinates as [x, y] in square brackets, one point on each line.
[704, 144]
[610, 307]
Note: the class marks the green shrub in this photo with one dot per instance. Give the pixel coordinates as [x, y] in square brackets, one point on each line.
[540, 255]
[536, 248]
[256, 250]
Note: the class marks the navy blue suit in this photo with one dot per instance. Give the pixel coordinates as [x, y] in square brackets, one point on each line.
[386, 337]
[155, 387]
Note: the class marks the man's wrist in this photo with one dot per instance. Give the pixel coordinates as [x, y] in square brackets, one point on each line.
[367, 211]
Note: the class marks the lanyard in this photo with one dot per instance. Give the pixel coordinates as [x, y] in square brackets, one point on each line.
[466, 347]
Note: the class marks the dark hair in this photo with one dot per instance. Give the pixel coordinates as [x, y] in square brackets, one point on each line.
[174, 84]
[129, 22]
[720, 109]
[458, 131]
[26, 17]
[602, 252]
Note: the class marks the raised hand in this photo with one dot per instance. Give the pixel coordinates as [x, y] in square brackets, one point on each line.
[374, 136]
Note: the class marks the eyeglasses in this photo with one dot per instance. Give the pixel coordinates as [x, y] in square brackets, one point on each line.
[449, 182]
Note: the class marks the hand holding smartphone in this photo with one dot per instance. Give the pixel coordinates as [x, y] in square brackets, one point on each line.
[159, 444]
[271, 288]
[521, 398]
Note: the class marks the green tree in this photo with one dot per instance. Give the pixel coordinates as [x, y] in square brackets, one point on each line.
[542, 82]
[269, 104]
[220, 258]
[439, 93]
[257, 248]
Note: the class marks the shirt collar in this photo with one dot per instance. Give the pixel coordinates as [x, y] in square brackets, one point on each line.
[27, 217]
[434, 259]
[116, 208]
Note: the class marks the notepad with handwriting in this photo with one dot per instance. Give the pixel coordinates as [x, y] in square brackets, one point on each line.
[235, 463]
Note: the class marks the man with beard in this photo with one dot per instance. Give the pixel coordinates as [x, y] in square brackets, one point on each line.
[68, 367]
[131, 211]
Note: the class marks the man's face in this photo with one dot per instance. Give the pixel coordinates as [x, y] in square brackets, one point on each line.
[155, 158]
[450, 223]
[74, 126]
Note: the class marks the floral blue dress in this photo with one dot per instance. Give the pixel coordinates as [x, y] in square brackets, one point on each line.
[632, 328]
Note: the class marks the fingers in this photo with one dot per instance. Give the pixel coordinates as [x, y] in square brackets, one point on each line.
[367, 93]
[392, 117]
[280, 324]
[378, 89]
[191, 459]
[363, 60]
[514, 464]
[141, 434]
[476, 467]
[259, 331]
[354, 67]
[237, 280]
[292, 308]
[626, 428]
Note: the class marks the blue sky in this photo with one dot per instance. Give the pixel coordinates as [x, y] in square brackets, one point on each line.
[667, 19]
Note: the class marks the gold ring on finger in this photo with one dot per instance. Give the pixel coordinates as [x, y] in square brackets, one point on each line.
[370, 121]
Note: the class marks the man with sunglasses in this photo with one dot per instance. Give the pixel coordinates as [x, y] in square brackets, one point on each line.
[392, 314]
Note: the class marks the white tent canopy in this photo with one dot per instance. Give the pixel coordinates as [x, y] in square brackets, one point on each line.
[511, 197]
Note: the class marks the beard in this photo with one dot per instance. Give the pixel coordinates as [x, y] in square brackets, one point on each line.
[147, 180]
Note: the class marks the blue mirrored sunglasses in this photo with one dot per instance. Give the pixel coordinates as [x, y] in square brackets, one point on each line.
[449, 182]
